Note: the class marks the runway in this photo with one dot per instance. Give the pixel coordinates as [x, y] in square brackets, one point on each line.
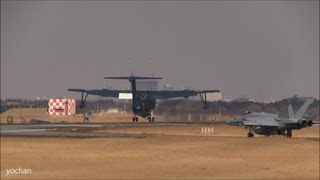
[156, 151]
[161, 150]
[83, 130]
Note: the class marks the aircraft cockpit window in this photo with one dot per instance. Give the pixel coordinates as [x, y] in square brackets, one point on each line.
[248, 112]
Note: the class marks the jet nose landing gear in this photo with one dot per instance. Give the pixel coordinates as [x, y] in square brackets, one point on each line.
[151, 119]
[250, 131]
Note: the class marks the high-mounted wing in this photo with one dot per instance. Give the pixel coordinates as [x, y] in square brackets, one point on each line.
[171, 94]
[97, 92]
[101, 92]
[154, 94]
[263, 121]
[176, 94]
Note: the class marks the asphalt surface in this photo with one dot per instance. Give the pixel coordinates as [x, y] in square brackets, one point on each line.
[79, 130]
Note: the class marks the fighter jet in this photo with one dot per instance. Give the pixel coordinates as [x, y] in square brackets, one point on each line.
[143, 102]
[270, 124]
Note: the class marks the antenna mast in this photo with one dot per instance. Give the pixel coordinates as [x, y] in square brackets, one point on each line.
[151, 67]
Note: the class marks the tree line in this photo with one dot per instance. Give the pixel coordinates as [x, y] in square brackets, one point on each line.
[180, 106]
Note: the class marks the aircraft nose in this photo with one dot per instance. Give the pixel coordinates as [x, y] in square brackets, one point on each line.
[231, 121]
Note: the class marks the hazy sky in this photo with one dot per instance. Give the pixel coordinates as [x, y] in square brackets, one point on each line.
[263, 50]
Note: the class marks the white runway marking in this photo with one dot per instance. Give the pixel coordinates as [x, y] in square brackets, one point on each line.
[23, 130]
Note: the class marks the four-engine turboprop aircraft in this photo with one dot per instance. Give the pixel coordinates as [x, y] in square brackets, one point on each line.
[270, 124]
[143, 102]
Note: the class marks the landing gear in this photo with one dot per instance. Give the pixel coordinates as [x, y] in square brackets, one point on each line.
[250, 134]
[135, 119]
[280, 132]
[83, 100]
[86, 119]
[267, 134]
[289, 133]
[150, 119]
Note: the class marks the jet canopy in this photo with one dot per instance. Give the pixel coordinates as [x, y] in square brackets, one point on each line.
[245, 113]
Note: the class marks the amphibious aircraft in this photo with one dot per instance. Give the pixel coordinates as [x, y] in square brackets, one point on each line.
[270, 124]
[143, 102]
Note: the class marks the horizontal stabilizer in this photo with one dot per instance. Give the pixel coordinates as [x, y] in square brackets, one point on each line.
[79, 90]
[316, 122]
[131, 78]
[210, 91]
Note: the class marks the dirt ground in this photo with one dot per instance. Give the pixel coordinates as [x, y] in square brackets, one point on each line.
[167, 152]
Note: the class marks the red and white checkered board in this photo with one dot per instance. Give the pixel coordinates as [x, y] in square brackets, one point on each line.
[62, 106]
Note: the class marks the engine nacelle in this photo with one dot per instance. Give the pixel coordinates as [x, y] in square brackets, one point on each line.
[264, 131]
[303, 123]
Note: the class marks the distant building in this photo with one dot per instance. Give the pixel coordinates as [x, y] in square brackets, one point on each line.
[211, 97]
[112, 110]
[167, 87]
[150, 85]
[243, 99]
[214, 96]
[61, 106]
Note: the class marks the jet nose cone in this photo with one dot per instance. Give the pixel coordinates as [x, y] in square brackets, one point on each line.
[234, 122]
[231, 121]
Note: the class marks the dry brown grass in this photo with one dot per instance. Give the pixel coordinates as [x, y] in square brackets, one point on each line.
[174, 152]
[20, 114]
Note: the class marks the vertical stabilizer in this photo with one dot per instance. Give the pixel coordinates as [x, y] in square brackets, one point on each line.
[290, 111]
[303, 108]
[132, 80]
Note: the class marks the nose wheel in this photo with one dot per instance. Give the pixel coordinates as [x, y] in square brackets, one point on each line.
[151, 119]
[250, 133]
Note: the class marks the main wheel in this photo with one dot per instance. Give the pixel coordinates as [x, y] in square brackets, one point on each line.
[250, 135]
[135, 119]
[289, 133]
[152, 119]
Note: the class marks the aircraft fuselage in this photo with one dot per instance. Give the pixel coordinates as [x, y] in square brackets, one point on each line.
[143, 105]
